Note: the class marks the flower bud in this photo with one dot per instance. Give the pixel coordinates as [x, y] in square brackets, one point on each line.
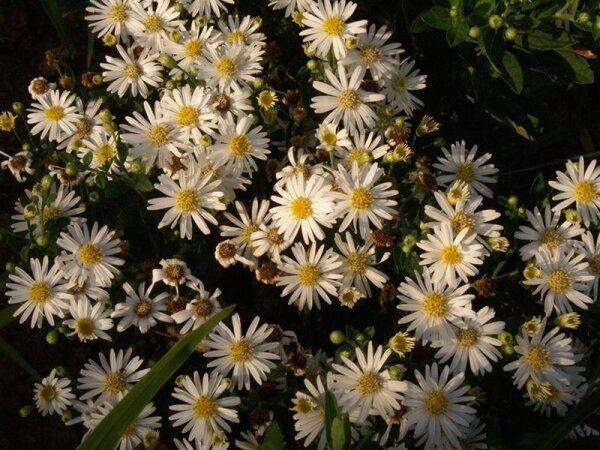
[337, 337]
[109, 40]
[52, 337]
[71, 169]
[167, 61]
[570, 321]
[495, 21]
[30, 211]
[97, 79]
[10, 267]
[46, 182]
[474, 32]
[25, 411]
[18, 107]
[105, 116]
[258, 83]
[510, 33]
[42, 240]
[312, 64]
[506, 338]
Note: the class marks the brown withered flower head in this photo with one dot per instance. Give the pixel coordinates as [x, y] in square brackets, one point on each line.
[382, 238]
[485, 287]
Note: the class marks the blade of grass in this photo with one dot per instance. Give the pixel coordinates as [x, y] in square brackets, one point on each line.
[109, 431]
[58, 22]
[9, 351]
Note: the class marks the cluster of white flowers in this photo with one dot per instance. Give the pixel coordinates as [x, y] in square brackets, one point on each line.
[320, 233]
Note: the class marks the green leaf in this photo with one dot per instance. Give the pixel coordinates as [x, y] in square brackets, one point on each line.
[9, 351]
[523, 22]
[581, 71]
[568, 11]
[273, 438]
[90, 48]
[437, 17]
[539, 40]
[142, 183]
[55, 16]
[511, 71]
[484, 8]
[87, 159]
[458, 33]
[331, 412]
[338, 434]
[7, 315]
[107, 434]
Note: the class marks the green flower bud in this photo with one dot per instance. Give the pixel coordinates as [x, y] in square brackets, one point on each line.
[175, 36]
[495, 21]
[258, 83]
[346, 353]
[506, 338]
[66, 415]
[25, 411]
[105, 116]
[26, 147]
[97, 79]
[453, 11]
[510, 33]
[583, 18]
[18, 107]
[360, 338]
[474, 32]
[397, 371]
[71, 169]
[109, 40]
[61, 371]
[337, 337]
[42, 240]
[179, 8]
[30, 211]
[170, 85]
[10, 267]
[46, 182]
[167, 61]
[94, 197]
[52, 337]
[513, 201]
[507, 349]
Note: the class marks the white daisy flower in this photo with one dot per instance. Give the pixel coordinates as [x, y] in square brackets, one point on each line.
[592, 257]
[545, 233]
[189, 200]
[547, 398]
[542, 357]
[345, 101]
[191, 47]
[243, 228]
[140, 309]
[136, 432]
[132, 72]
[53, 395]
[290, 5]
[103, 147]
[437, 408]
[365, 147]
[298, 165]
[207, 8]
[358, 262]
[332, 139]
[306, 205]
[54, 115]
[38, 87]
[229, 252]
[153, 23]
[229, 65]
[237, 146]
[361, 199]
[374, 53]
[563, 280]
[188, 110]
[310, 276]
[309, 417]
[202, 410]
[461, 165]
[267, 240]
[473, 342]
[448, 255]
[86, 291]
[89, 322]
[89, 254]
[88, 125]
[112, 378]
[172, 272]
[365, 386]
[244, 31]
[234, 100]
[327, 27]
[433, 306]
[203, 306]
[398, 84]
[42, 294]
[110, 17]
[580, 186]
[244, 356]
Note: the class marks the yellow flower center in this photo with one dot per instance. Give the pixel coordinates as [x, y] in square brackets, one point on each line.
[153, 23]
[303, 405]
[309, 275]
[226, 67]
[115, 383]
[585, 192]
[193, 48]
[462, 220]
[247, 231]
[54, 113]
[118, 13]
[143, 308]
[203, 307]
[349, 99]
[357, 262]
[50, 212]
[468, 337]
[241, 351]
[465, 173]
[47, 393]
[450, 255]
[435, 305]
[436, 403]
[551, 238]
[104, 153]
[131, 71]
[187, 115]
[400, 343]
[560, 281]
[333, 26]
[369, 383]
[205, 407]
[538, 357]
[158, 134]
[301, 208]
[85, 327]
[329, 138]
[266, 99]
[358, 155]
[129, 431]
[361, 198]
[399, 83]
[594, 263]
[237, 36]
[187, 200]
[174, 272]
[370, 55]
[239, 145]
[89, 254]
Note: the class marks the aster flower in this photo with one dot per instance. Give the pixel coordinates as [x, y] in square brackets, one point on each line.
[438, 409]
[241, 31]
[361, 199]
[332, 139]
[189, 110]
[110, 17]
[112, 378]
[247, 224]
[365, 147]
[53, 395]
[103, 147]
[580, 186]
[398, 84]
[365, 386]
[207, 8]
[41, 295]
[327, 27]
[18, 164]
[203, 306]
[267, 240]
[229, 66]
[290, 5]
[248, 356]
[345, 100]
[172, 272]
[140, 309]
[89, 322]
[310, 276]
[563, 280]
[309, 417]
[461, 165]
[89, 255]
[153, 22]
[191, 46]
[54, 115]
[87, 125]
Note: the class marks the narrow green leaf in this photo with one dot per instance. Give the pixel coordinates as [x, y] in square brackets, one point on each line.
[59, 24]
[581, 70]
[7, 315]
[87, 159]
[437, 17]
[273, 438]
[338, 436]
[11, 353]
[331, 412]
[107, 434]
[511, 71]
[90, 48]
